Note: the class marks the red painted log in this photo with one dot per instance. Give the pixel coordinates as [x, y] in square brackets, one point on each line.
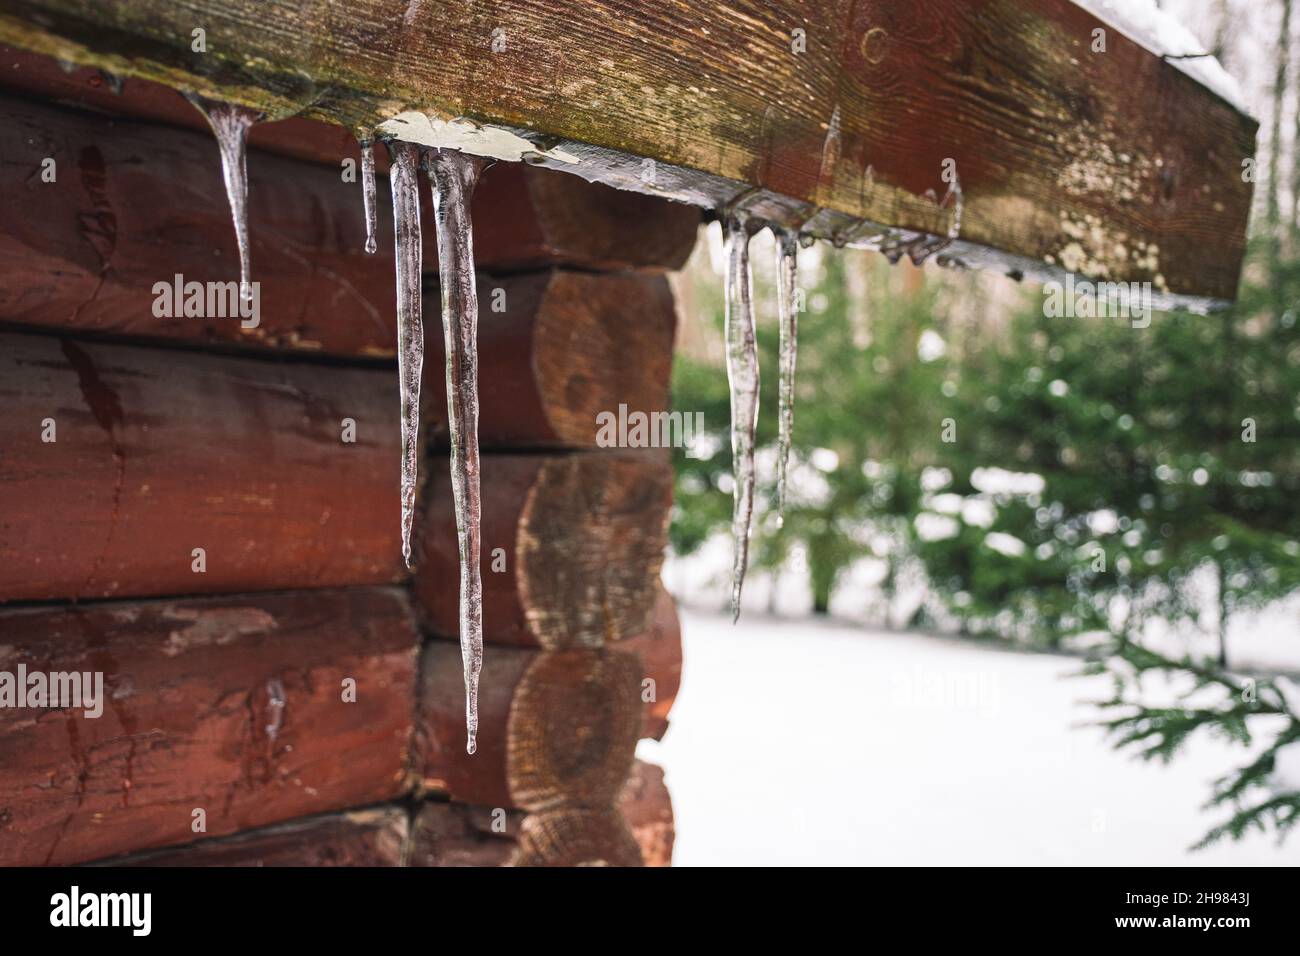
[556, 349]
[160, 453]
[236, 706]
[553, 726]
[133, 205]
[582, 537]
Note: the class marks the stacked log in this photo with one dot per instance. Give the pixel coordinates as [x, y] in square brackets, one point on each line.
[278, 686]
[432, 833]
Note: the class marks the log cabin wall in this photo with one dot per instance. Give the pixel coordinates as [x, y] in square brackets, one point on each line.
[208, 514]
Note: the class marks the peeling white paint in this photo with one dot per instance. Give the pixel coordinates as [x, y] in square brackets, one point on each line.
[493, 142]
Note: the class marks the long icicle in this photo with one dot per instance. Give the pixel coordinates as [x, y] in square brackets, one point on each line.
[230, 124]
[787, 271]
[403, 173]
[742, 374]
[454, 176]
[368, 192]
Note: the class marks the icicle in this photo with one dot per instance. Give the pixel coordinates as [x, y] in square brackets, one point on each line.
[368, 192]
[403, 174]
[787, 265]
[742, 374]
[231, 123]
[454, 176]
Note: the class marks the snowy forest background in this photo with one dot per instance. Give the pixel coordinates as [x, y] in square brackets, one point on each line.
[1129, 497]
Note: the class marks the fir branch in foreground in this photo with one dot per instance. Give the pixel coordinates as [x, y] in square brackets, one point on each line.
[1160, 732]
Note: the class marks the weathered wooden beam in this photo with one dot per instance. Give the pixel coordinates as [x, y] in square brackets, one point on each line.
[572, 546]
[235, 706]
[1115, 164]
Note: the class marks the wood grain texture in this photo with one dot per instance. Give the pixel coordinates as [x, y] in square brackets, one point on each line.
[1065, 156]
[373, 837]
[565, 347]
[576, 836]
[161, 452]
[233, 705]
[582, 535]
[519, 722]
[87, 88]
[135, 204]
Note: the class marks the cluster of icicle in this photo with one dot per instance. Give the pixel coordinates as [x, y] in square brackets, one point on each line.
[742, 349]
[742, 375]
[454, 176]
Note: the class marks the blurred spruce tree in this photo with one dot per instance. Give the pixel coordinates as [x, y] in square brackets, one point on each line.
[1165, 457]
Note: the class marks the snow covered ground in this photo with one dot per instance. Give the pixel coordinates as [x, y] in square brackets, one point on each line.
[807, 742]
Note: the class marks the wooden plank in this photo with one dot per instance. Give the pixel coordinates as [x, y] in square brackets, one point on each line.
[565, 347]
[512, 715]
[86, 88]
[232, 705]
[374, 837]
[134, 204]
[159, 453]
[582, 537]
[1065, 156]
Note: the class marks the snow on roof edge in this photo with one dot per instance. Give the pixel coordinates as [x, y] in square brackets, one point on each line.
[1147, 25]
